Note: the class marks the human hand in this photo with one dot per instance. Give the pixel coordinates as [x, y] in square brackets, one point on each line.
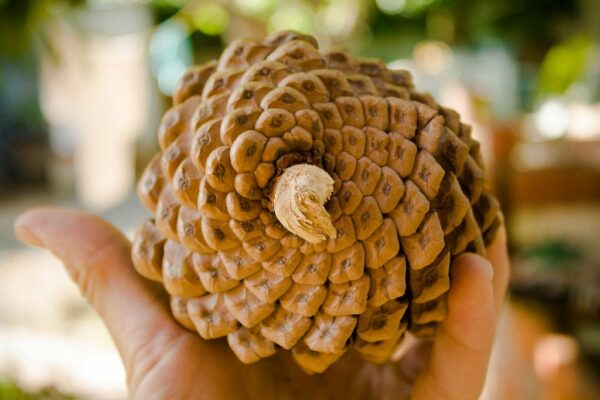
[165, 361]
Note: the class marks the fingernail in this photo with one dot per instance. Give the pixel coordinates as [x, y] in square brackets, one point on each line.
[25, 234]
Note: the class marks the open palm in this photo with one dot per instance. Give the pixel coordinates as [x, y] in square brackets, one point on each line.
[165, 361]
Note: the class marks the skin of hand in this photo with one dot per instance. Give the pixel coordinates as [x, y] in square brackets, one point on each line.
[165, 361]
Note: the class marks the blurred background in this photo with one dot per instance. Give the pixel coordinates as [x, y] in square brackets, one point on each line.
[83, 84]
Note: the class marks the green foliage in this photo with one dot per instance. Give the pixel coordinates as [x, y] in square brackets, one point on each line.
[22, 20]
[211, 19]
[11, 391]
[552, 255]
[564, 64]
[530, 27]
[406, 8]
[165, 9]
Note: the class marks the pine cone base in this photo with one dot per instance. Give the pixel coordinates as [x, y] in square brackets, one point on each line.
[408, 197]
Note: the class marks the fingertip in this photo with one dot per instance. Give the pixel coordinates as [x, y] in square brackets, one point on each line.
[499, 241]
[472, 266]
[497, 252]
[25, 227]
[36, 225]
[470, 300]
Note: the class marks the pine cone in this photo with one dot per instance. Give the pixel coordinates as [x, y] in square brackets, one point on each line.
[310, 201]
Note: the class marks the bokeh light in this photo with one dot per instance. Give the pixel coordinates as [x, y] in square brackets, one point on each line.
[391, 6]
[339, 17]
[253, 7]
[432, 57]
[211, 19]
[170, 54]
[296, 16]
[404, 7]
[552, 119]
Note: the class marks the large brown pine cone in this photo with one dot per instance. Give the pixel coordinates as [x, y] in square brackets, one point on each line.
[408, 197]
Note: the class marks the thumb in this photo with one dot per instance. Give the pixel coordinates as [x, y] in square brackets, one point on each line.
[96, 255]
[458, 361]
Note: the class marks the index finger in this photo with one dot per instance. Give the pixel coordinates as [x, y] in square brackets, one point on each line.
[97, 256]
